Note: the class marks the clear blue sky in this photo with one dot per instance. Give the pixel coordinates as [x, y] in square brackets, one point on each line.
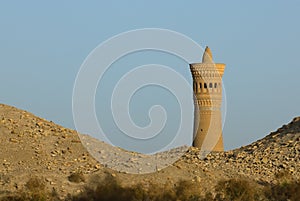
[43, 44]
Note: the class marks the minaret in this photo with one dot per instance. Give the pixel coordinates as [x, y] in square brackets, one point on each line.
[207, 84]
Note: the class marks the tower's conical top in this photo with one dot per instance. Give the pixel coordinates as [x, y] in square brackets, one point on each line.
[207, 56]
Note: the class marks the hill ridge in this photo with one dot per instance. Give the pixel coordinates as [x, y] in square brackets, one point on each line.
[33, 146]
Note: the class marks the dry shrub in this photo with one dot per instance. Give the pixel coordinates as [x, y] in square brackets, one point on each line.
[35, 184]
[283, 176]
[188, 190]
[76, 177]
[283, 191]
[107, 190]
[285, 188]
[235, 190]
[35, 190]
[110, 189]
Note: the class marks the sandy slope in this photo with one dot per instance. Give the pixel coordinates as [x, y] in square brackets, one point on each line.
[31, 146]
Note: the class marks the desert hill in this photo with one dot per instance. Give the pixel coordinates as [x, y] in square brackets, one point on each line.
[34, 147]
[31, 146]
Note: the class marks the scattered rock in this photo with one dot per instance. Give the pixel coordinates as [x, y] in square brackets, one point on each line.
[33, 146]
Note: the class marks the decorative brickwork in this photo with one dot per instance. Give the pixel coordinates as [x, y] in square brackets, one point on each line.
[207, 85]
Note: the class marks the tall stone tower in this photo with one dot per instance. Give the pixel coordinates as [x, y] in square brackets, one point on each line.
[207, 85]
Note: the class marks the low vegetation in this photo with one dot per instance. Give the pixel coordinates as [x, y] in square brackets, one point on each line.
[110, 189]
[237, 189]
[35, 190]
[76, 177]
[285, 189]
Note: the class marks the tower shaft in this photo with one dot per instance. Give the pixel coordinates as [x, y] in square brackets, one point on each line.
[207, 86]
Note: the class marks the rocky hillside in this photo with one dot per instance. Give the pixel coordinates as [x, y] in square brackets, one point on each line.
[34, 147]
[31, 146]
[261, 160]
